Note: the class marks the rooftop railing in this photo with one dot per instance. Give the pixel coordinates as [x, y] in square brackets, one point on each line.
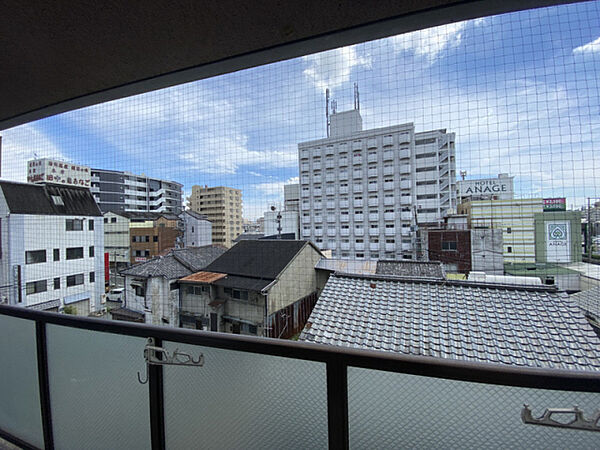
[75, 382]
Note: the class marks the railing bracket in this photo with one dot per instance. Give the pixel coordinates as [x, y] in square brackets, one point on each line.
[159, 356]
[579, 422]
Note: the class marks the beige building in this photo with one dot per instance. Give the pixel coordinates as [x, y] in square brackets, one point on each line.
[516, 219]
[223, 207]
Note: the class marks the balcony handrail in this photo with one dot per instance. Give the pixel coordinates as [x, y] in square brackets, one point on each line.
[472, 371]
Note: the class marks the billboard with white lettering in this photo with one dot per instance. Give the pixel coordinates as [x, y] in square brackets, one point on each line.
[51, 171]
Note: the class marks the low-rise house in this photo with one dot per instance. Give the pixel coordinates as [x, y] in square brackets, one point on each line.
[515, 325]
[197, 229]
[253, 283]
[152, 290]
[51, 247]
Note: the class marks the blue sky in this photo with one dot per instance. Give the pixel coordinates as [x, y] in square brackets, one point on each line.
[521, 91]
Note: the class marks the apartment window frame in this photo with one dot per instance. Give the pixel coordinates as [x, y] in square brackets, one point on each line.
[35, 256]
[36, 287]
[74, 253]
[74, 225]
[75, 280]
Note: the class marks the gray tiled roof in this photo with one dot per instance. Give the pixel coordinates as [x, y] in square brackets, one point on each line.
[589, 301]
[178, 263]
[412, 269]
[359, 267]
[533, 326]
[194, 214]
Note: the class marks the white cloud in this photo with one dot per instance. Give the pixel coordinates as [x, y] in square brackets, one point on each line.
[187, 126]
[275, 187]
[333, 68]
[589, 48]
[21, 144]
[431, 42]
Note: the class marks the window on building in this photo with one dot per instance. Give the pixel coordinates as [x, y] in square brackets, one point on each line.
[35, 287]
[91, 252]
[91, 225]
[113, 220]
[106, 220]
[35, 256]
[57, 283]
[74, 225]
[92, 277]
[509, 249]
[154, 238]
[509, 230]
[74, 252]
[74, 280]
[448, 245]
[139, 291]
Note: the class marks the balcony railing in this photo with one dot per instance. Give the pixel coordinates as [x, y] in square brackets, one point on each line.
[74, 382]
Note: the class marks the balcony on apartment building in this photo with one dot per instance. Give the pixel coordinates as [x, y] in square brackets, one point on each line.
[172, 388]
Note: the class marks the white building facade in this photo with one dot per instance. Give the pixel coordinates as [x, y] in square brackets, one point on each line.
[116, 239]
[52, 248]
[197, 229]
[365, 193]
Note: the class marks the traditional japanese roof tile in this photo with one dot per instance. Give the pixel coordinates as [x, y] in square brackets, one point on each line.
[524, 326]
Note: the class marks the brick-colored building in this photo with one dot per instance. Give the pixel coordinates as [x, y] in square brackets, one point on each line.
[451, 247]
[153, 237]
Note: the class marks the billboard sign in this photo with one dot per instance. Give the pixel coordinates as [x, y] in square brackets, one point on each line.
[555, 204]
[500, 188]
[51, 171]
[558, 242]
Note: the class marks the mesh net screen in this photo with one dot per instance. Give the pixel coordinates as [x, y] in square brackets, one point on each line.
[208, 205]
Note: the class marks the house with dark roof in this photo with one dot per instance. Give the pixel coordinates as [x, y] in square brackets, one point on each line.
[151, 288]
[254, 283]
[535, 326]
[51, 247]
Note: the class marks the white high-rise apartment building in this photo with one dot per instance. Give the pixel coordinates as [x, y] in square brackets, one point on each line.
[365, 193]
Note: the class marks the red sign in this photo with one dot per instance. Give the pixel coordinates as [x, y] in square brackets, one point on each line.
[106, 269]
[555, 204]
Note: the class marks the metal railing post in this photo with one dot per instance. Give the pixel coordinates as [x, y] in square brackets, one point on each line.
[337, 404]
[157, 413]
[44, 386]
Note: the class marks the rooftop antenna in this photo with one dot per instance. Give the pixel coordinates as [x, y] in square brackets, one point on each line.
[327, 109]
[356, 98]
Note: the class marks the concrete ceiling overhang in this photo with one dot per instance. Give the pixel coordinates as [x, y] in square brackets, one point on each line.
[62, 55]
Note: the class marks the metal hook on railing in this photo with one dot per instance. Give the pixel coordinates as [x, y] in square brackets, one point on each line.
[159, 356]
[140, 378]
